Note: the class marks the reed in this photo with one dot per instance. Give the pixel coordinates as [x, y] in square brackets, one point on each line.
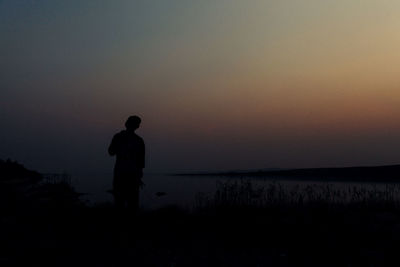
[245, 193]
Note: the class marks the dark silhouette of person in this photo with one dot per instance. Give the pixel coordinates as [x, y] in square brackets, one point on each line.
[129, 150]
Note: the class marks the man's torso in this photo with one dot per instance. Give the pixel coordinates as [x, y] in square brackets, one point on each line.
[129, 149]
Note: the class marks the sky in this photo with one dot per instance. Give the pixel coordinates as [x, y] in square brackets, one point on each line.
[219, 85]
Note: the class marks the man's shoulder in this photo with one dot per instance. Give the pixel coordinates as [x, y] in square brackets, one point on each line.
[120, 134]
[125, 134]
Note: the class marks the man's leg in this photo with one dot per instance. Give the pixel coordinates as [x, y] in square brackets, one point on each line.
[118, 192]
[133, 199]
[119, 201]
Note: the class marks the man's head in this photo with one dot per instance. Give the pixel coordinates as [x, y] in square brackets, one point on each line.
[132, 123]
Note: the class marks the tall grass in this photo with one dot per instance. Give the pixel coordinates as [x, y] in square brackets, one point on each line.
[245, 193]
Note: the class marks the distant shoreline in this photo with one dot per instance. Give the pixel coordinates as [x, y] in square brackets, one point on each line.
[384, 174]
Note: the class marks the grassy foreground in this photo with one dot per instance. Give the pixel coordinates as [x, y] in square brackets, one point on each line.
[241, 225]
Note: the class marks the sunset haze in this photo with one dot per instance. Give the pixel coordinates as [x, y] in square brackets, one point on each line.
[218, 84]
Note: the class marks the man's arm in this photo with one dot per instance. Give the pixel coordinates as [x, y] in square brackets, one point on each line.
[112, 149]
[142, 154]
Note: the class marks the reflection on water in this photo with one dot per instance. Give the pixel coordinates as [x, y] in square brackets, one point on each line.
[162, 190]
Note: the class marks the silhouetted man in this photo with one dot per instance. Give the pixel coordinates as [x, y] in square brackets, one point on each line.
[128, 170]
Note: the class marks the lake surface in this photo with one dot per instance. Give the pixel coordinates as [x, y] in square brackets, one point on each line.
[182, 190]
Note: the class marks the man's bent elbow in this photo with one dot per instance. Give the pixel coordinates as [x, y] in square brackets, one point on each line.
[111, 152]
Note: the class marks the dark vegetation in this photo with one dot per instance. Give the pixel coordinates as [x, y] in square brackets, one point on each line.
[45, 224]
[23, 189]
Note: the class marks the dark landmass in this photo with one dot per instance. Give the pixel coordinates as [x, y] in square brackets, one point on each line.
[21, 188]
[384, 174]
[12, 171]
[45, 224]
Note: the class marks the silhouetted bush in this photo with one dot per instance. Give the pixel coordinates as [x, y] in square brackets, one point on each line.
[13, 171]
[21, 189]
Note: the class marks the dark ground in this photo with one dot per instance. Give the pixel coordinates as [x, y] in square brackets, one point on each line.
[44, 223]
[308, 236]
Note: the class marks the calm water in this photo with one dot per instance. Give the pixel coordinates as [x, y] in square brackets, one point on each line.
[182, 190]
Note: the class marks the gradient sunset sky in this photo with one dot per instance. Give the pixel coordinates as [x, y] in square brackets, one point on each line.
[227, 84]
